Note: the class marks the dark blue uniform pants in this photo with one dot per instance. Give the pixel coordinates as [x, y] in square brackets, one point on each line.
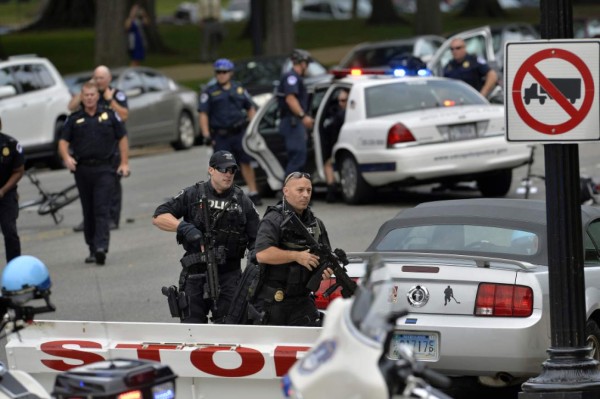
[200, 306]
[96, 185]
[9, 211]
[117, 197]
[294, 134]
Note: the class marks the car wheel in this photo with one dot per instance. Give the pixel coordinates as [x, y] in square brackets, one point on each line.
[185, 132]
[355, 189]
[55, 160]
[495, 184]
[592, 333]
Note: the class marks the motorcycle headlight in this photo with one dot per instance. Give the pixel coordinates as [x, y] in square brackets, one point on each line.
[289, 391]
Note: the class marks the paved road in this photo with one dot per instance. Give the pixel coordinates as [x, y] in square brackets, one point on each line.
[142, 258]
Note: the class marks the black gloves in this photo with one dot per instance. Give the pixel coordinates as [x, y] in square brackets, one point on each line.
[189, 233]
[341, 255]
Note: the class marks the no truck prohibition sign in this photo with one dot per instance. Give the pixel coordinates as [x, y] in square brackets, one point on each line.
[552, 94]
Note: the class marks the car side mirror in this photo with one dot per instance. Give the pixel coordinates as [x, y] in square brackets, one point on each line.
[7, 91]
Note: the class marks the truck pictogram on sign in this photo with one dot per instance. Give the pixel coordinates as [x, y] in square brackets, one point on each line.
[569, 87]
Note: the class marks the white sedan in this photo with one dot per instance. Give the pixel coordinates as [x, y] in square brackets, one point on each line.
[398, 132]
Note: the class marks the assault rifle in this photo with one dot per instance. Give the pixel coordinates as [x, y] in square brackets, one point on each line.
[211, 288]
[334, 260]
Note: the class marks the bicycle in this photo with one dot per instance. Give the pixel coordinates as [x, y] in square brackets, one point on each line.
[47, 202]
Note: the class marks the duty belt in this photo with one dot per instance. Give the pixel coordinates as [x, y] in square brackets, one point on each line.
[193, 259]
[229, 130]
[94, 162]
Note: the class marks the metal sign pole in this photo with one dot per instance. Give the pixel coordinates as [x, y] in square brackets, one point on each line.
[569, 372]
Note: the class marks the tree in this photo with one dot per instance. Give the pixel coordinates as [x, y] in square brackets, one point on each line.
[482, 8]
[384, 13]
[65, 14]
[279, 27]
[428, 18]
[110, 39]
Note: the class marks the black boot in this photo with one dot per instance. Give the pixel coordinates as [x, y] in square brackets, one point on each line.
[331, 197]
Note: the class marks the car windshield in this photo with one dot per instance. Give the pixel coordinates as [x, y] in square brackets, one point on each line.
[258, 72]
[457, 238]
[406, 96]
[376, 57]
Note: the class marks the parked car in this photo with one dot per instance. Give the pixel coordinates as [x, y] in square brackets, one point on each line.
[398, 132]
[586, 27]
[474, 276]
[33, 105]
[260, 75]
[380, 54]
[333, 9]
[160, 110]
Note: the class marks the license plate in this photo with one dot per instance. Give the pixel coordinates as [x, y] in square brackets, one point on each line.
[463, 132]
[425, 345]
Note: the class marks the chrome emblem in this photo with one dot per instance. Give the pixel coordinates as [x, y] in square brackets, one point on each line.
[418, 296]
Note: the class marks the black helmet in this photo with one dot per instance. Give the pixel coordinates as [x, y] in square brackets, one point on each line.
[299, 55]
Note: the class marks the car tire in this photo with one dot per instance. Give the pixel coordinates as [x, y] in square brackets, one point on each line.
[355, 190]
[186, 135]
[495, 184]
[55, 160]
[592, 334]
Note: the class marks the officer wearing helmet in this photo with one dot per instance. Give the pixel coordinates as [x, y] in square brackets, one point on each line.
[294, 108]
[225, 108]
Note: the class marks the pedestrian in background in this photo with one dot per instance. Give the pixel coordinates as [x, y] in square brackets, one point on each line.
[88, 145]
[12, 168]
[470, 69]
[293, 108]
[116, 100]
[234, 222]
[136, 39]
[225, 109]
[283, 299]
[213, 31]
[331, 132]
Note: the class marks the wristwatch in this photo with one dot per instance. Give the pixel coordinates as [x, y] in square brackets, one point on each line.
[301, 115]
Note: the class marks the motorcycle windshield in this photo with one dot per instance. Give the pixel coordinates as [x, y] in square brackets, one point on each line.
[376, 301]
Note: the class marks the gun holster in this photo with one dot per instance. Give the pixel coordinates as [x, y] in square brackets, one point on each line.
[178, 301]
[257, 318]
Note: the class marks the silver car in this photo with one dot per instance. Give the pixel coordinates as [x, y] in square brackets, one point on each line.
[160, 110]
[474, 275]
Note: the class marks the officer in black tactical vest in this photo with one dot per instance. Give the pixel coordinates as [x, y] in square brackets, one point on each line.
[233, 226]
[283, 298]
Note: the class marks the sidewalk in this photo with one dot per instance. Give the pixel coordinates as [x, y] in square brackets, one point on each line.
[326, 56]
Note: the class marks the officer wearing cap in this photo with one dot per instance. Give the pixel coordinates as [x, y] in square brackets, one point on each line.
[470, 69]
[88, 144]
[11, 171]
[225, 108]
[294, 109]
[234, 222]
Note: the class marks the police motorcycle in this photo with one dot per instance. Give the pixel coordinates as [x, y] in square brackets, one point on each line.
[357, 347]
[26, 279]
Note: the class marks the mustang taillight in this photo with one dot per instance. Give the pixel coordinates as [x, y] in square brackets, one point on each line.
[320, 301]
[503, 300]
[399, 134]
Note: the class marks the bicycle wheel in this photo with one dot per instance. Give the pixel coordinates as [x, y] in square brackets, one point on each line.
[59, 200]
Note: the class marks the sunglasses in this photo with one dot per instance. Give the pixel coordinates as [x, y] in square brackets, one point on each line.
[221, 72]
[457, 48]
[296, 175]
[342, 100]
[231, 169]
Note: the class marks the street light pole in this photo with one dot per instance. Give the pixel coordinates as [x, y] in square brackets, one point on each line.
[569, 372]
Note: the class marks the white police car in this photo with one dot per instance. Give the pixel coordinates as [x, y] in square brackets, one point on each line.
[398, 131]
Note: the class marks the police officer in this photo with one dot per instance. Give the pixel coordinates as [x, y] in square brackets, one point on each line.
[293, 108]
[93, 134]
[470, 69]
[283, 298]
[115, 99]
[225, 108]
[234, 222]
[11, 170]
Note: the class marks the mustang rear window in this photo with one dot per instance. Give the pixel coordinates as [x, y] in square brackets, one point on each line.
[461, 238]
[394, 98]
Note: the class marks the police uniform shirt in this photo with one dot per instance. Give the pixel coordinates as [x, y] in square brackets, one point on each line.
[186, 205]
[93, 136]
[471, 70]
[292, 83]
[224, 107]
[11, 158]
[118, 96]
